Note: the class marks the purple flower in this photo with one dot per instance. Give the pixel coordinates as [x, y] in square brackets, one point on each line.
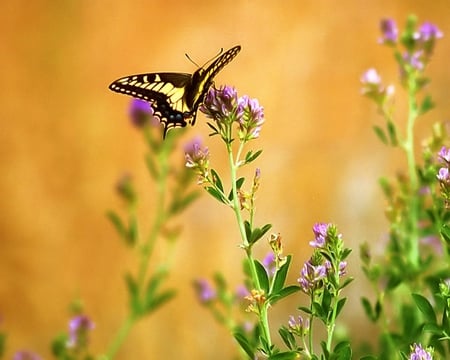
[419, 353]
[428, 32]
[320, 231]
[205, 292]
[141, 113]
[26, 355]
[443, 175]
[371, 77]
[416, 59]
[444, 154]
[79, 328]
[311, 276]
[389, 31]
[250, 117]
[298, 326]
[342, 268]
[197, 157]
[373, 87]
[269, 263]
[220, 104]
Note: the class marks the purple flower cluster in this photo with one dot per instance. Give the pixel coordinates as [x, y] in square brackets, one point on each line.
[419, 43]
[225, 108]
[389, 32]
[197, 158]
[141, 113]
[373, 87]
[205, 291]
[79, 328]
[26, 355]
[315, 271]
[298, 326]
[419, 353]
[311, 276]
[443, 174]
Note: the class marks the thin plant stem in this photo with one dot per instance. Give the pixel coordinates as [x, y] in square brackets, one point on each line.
[264, 322]
[409, 149]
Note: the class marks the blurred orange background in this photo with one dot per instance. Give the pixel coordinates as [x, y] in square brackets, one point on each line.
[65, 139]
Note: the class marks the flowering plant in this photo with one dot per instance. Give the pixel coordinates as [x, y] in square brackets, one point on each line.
[411, 282]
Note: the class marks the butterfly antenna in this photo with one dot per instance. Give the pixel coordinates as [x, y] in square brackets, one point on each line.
[214, 57]
[192, 61]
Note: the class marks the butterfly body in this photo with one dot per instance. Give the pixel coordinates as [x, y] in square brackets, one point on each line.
[175, 97]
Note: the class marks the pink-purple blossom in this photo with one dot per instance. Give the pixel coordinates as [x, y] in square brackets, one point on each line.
[141, 113]
[205, 291]
[419, 353]
[320, 231]
[79, 328]
[197, 157]
[389, 31]
[311, 276]
[444, 155]
[26, 355]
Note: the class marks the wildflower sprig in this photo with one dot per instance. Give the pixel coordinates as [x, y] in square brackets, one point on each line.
[409, 275]
[321, 279]
[172, 195]
[238, 121]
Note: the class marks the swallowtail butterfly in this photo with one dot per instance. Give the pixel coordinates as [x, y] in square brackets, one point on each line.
[174, 97]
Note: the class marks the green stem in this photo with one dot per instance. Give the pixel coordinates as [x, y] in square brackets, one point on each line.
[120, 337]
[148, 246]
[409, 149]
[263, 319]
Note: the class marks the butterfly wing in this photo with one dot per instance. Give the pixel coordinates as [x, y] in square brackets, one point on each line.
[165, 92]
[203, 78]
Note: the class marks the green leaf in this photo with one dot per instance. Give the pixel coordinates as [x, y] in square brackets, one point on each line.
[133, 232]
[288, 290]
[245, 345]
[392, 131]
[258, 233]
[288, 338]
[287, 355]
[216, 194]
[157, 301]
[118, 225]
[2, 344]
[154, 282]
[427, 105]
[262, 276]
[216, 180]
[239, 183]
[445, 233]
[133, 293]
[368, 309]
[340, 306]
[251, 156]
[342, 351]
[369, 357]
[248, 229]
[425, 307]
[178, 205]
[280, 276]
[381, 134]
[58, 345]
[151, 166]
[326, 301]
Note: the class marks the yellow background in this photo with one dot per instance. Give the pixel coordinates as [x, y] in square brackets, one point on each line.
[65, 139]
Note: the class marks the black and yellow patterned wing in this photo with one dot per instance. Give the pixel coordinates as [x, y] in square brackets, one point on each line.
[175, 97]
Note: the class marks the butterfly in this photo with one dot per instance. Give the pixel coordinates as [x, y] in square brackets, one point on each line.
[174, 97]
